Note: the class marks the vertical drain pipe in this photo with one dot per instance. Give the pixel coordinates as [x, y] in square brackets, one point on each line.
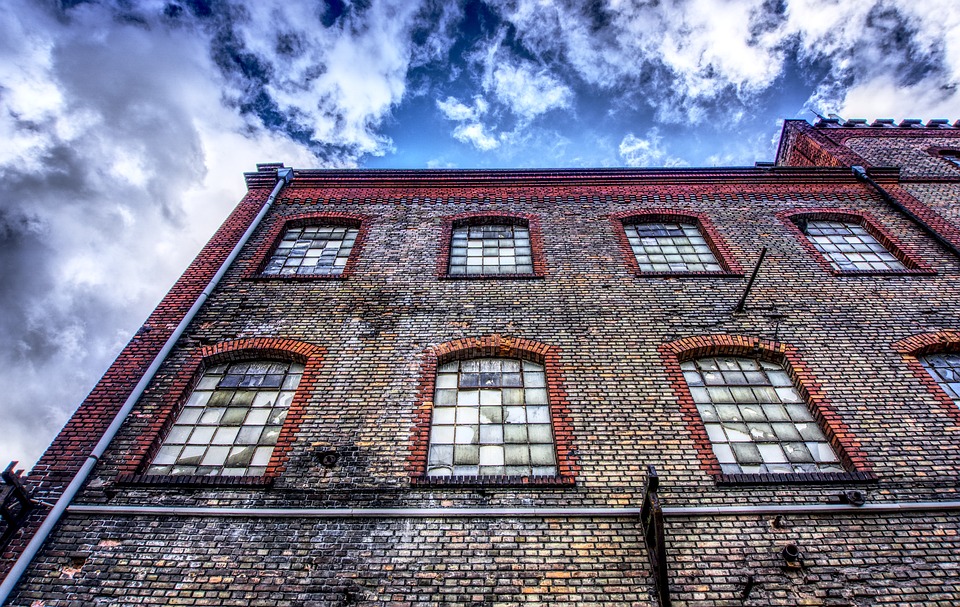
[861, 174]
[284, 175]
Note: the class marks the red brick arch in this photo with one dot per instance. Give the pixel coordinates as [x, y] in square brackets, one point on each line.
[913, 264]
[836, 431]
[915, 346]
[530, 221]
[503, 347]
[279, 224]
[710, 234]
[150, 438]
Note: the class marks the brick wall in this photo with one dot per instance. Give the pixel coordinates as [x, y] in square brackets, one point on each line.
[605, 327]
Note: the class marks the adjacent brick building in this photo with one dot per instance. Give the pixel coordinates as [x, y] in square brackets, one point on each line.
[447, 387]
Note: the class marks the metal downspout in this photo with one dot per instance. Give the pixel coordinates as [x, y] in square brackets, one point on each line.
[861, 174]
[285, 175]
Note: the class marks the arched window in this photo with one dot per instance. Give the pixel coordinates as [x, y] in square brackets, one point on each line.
[231, 421]
[951, 156]
[945, 369]
[312, 250]
[756, 420]
[849, 246]
[675, 246]
[490, 248]
[491, 418]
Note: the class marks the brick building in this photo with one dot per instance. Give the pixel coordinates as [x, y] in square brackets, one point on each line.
[447, 387]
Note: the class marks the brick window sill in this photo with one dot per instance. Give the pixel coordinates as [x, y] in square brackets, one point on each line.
[526, 276]
[195, 481]
[688, 274]
[297, 277]
[492, 481]
[795, 478]
[907, 272]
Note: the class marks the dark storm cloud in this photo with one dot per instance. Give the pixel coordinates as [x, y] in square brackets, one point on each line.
[126, 129]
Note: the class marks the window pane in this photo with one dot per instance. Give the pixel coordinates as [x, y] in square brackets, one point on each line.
[671, 247]
[312, 251]
[232, 439]
[490, 250]
[849, 246]
[754, 427]
[500, 423]
[945, 368]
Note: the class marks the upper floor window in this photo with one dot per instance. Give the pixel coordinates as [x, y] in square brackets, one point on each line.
[755, 418]
[491, 418]
[849, 246]
[317, 250]
[952, 156]
[231, 421]
[490, 249]
[945, 368]
[671, 247]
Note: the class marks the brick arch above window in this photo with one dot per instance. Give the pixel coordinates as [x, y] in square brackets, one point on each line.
[919, 354]
[500, 347]
[527, 221]
[283, 226]
[623, 221]
[168, 405]
[839, 436]
[862, 227]
[951, 155]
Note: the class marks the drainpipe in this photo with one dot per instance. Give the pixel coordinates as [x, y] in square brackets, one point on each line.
[284, 175]
[861, 174]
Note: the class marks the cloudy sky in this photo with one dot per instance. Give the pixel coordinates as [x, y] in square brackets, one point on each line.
[126, 125]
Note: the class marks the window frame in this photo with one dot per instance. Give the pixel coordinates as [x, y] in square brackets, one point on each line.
[949, 155]
[852, 459]
[162, 408]
[718, 246]
[915, 347]
[795, 218]
[529, 221]
[274, 232]
[494, 346]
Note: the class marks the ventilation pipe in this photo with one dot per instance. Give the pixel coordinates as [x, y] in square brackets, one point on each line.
[284, 176]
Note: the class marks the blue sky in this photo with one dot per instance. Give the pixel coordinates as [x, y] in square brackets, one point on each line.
[127, 125]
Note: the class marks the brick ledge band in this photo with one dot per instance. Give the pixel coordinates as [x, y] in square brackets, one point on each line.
[672, 512]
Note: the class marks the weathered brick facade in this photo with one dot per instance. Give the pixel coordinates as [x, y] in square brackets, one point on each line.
[344, 514]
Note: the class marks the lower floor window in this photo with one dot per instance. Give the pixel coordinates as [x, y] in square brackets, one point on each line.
[231, 422]
[755, 418]
[491, 418]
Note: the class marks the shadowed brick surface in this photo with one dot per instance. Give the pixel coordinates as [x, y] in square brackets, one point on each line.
[611, 341]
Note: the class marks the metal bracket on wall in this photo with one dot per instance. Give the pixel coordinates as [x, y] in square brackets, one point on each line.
[15, 503]
[651, 521]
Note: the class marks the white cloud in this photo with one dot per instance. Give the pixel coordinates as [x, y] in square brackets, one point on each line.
[475, 134]
[112, 180]
[648, 151]
[527, 91]
[341, 80]
[453, 109]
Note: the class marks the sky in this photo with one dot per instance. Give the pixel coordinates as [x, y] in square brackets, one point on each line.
[126, 126]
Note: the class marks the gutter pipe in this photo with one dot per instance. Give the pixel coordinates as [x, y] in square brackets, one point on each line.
[861, 174]
[675, 512]
[284, 175]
